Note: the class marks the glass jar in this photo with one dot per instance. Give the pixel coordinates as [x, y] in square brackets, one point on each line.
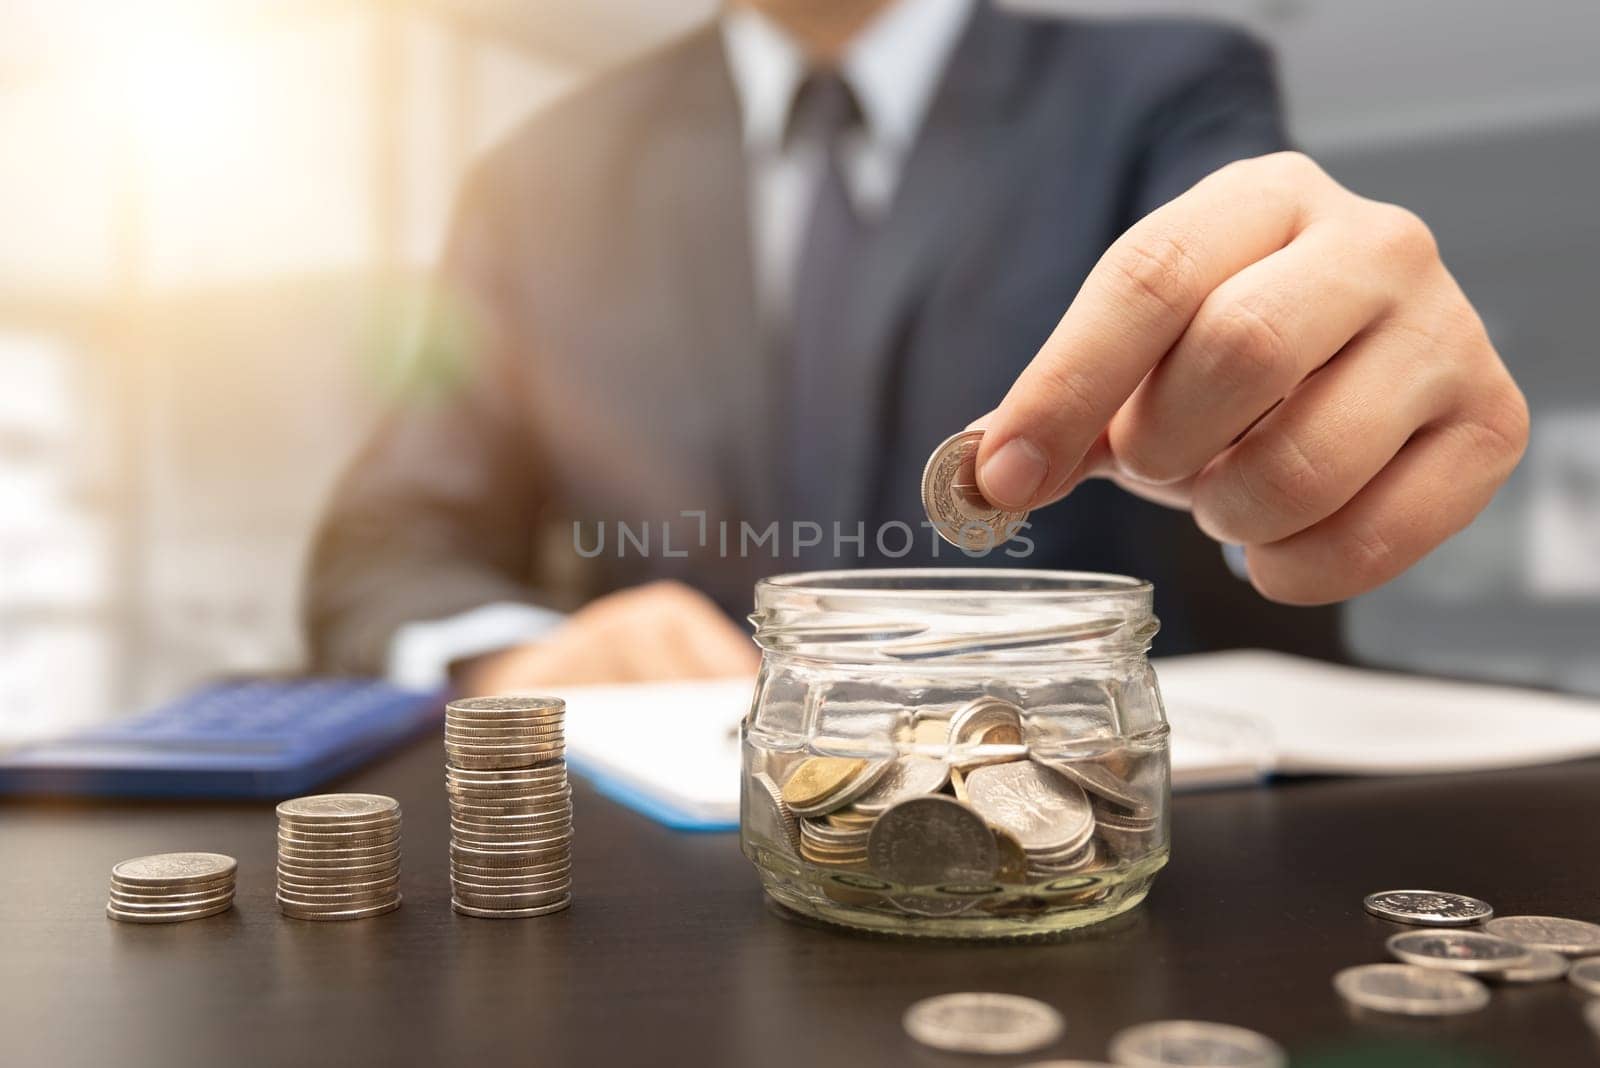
[955, 753]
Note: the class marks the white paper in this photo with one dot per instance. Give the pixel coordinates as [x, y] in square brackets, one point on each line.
[1235, 717]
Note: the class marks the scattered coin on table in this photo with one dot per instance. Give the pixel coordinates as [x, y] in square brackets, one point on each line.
[1169, 1043]
[510, 806]
[955, 506]
[1585, 975]
[1407, 990]
[171, 887]
[1427, 908]
[1458, 951]
[1575, 938]
[1543, 966]
[983, 1023]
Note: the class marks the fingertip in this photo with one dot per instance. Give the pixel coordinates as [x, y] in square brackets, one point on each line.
[1013, 475]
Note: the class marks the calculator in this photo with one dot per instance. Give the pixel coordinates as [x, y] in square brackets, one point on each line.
[250, 738]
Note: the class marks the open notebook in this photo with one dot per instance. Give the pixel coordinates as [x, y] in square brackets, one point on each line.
[671, 750]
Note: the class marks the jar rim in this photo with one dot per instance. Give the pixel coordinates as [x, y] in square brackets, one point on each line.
[914, 583]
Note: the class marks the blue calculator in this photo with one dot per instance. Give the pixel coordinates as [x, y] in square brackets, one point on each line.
[255, 738]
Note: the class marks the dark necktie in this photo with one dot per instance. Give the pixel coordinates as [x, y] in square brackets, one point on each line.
[825, 110]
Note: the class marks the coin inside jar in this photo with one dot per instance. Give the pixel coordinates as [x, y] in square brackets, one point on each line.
[955, 506]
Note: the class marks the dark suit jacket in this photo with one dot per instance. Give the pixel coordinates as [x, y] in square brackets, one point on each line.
[596, 356]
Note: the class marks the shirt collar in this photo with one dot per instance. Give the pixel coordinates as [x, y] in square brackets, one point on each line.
[894, 65]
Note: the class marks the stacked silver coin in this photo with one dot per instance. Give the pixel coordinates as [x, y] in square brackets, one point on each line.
[171, 887]
[510, 806]
[338, 856]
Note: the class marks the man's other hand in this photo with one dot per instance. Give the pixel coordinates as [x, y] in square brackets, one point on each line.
[663, 630]
[1287, 360]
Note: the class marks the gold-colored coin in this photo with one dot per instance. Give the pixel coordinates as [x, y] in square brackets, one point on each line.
[958, 783]
[1013, 867]
[819, 778]
[848, 819]
[1001, 734]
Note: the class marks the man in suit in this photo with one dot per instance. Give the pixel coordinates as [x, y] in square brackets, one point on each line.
[757, 276]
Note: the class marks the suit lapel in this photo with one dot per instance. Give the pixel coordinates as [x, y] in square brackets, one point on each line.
[951, 185]
[708, 215]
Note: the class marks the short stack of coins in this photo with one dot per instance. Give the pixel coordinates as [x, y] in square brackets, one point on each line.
[510, 806]
[171, 887]
[338, 856]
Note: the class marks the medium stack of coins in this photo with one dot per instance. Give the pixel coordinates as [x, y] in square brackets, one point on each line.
[338, 856]
[510, 806]
[171, 887]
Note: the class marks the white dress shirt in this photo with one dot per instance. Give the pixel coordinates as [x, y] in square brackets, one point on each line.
[893, 66]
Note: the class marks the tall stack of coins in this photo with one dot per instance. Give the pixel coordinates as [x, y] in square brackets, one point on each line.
[339, 856]
[171, 887]
[510, 806]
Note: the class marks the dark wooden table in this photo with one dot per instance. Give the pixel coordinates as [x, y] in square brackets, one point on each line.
[669, 956]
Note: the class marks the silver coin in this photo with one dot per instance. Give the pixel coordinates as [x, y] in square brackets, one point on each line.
[955, 506]
[522, 830]
[1457, 951]
[527, 837]
[1575, 938]
[983, 1023]
[1585, 975]
[492, 884]
[125, 916]
[977, 718]
[363, 840]
[137, 898]
[503, 729]
[1427, 908]
[340, 897]
[157, 908]
[1036, 805]
[334, 915]
[937, 906]
[510, 914]
[173, 869]
[503, 763]
[767, 815]
[554, 810]
[507, 858]
[314, 886]
[339, 808]
[932, 840]
[471, 777]
[506, 721]
[525, 800]
[905, 777]
[508, 747]
[314, 854]
[504, 705]
[526, 871]
[1406, 990]
[1543, 966]
[533, 899]
[136, 890]
[1194, 1042]
[1100, 781]
[338, 873]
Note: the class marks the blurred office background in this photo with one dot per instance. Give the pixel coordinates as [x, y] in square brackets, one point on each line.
[215, 216]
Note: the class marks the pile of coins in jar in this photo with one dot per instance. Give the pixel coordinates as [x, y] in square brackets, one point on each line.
[969, 807]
